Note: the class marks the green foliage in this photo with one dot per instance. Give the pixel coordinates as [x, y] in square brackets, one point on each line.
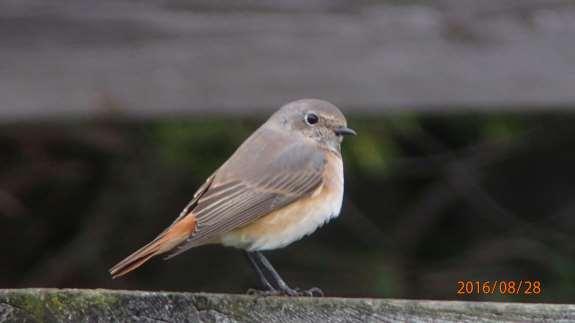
[426, 196]
[501, 128]
[387, 283]
[199, 146]
[372, 151]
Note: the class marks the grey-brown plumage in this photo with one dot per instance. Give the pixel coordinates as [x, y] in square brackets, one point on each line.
[283, 163]
[245, 187]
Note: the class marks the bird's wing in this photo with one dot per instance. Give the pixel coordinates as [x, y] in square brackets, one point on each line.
[269, 171]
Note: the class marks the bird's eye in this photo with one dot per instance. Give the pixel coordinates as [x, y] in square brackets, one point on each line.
[311, 118]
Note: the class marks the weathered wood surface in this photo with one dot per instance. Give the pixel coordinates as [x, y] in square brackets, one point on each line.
[147, 58]
[52, 305]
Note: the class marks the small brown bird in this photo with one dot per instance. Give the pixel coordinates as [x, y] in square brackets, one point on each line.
[281, 184]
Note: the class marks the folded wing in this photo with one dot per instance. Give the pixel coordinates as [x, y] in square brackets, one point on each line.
[268, 171]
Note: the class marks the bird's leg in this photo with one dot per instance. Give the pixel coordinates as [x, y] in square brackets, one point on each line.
[277, 280]
[279, 283]
[264, 281]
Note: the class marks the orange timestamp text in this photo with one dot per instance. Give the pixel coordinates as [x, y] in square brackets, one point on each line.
[501, 287]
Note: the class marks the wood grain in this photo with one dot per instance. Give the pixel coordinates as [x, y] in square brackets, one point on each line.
[86, 59]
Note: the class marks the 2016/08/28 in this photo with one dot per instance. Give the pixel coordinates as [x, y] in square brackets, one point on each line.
[503, 287]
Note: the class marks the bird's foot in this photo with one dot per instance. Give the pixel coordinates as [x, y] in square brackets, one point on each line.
[312, 292]
[293, 292]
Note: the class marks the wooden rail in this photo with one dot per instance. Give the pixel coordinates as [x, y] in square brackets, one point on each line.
[52, 305]
[85, 59]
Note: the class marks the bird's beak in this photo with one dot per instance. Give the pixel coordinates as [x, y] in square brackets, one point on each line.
[343, 131]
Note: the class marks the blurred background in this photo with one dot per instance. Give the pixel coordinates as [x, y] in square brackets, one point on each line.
[112, 113]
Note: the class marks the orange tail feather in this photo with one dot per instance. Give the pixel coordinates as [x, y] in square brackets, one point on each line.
[166, 241]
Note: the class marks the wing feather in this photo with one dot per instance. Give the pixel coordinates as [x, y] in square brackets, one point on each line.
[248, 187]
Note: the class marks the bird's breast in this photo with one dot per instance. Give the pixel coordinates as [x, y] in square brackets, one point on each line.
[296, 220]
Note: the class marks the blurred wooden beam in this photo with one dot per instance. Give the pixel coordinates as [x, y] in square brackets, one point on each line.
[85, 59]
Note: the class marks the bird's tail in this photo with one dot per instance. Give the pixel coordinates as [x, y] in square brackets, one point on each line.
[166, 241]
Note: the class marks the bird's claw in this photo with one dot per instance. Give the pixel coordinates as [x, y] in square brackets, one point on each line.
[314, 292]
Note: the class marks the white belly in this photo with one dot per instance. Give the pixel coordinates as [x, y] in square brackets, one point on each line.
[295, 220]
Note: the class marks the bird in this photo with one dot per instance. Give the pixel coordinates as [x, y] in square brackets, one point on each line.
[281, 184]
